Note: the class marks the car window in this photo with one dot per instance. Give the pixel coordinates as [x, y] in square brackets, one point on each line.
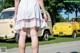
[7, 15]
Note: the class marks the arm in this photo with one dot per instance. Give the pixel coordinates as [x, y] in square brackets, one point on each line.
[16, 2]
[42, 5]
[43, 9]
[16, 6]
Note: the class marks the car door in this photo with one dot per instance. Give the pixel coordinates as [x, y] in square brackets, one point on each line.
[5, 22]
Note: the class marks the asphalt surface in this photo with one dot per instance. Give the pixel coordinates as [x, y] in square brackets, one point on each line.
[64, 47]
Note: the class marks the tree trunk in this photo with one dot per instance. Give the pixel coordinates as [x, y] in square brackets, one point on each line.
[76, 13]
[53, 18]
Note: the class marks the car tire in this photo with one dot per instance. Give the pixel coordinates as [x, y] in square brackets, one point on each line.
[16, 37]
[46, 36]
[74, 35]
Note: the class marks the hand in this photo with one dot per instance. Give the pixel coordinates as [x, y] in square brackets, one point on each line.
[15, 18]
[45, 17]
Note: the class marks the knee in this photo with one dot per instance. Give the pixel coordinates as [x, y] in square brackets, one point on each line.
[33, 30]
[22, 33]
[35, 46]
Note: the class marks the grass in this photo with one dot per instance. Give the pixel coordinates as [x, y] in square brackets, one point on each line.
[58, 40]
[12, 44]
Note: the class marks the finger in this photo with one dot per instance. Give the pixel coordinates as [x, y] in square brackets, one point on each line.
[45, 19]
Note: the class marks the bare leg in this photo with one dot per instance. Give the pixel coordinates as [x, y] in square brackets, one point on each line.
[22, 39]
[34, 38]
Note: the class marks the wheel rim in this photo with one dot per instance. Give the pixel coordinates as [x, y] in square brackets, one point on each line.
[46, 37]
[17, 38]
[74, 35]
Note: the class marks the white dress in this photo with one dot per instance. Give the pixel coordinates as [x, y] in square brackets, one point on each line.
[29, 15]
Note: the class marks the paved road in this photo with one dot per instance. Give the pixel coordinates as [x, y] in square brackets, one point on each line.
[64, 47]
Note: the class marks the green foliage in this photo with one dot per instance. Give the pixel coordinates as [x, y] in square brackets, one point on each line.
[0, 4]
[72, 7]
[7, 3]
[54, 7]
[78, 19]
[71, 0]
[0, 9]
[66, 19]
[59, 18]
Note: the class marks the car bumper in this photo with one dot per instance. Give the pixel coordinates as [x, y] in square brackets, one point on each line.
[62, 33]
[10, 36]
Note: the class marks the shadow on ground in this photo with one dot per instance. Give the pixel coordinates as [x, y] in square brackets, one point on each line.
[70, 52]
[74, 52]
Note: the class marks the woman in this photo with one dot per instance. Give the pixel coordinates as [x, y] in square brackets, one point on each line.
[28, 16]
[73, 21]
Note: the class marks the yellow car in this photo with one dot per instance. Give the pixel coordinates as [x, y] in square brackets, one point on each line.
[7, 26]
[66, 28]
